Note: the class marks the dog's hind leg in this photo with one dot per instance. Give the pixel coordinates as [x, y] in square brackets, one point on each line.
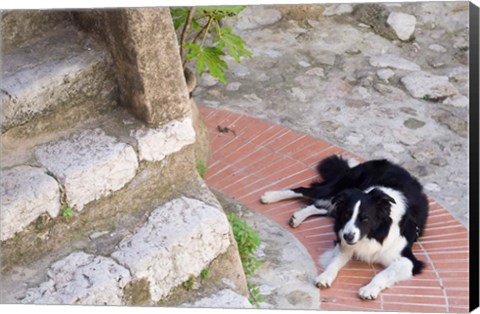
[398, 270]
[299, 216]
[276, 196]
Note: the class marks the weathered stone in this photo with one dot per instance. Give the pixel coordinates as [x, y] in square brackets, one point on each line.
[304, 64]
[21, 26]
[26, 193]
[374, 15]
[439, 161]
[428, 86]
[150, 76]
[324, 57]
[457, 101]
[179, 239]
[57, 73]
[403, 24]
[316, 72]
[450, 121]
[433, 187]
[81, 278]
[413, 123]
[223, 299]
[263, 16]
[406, 136]
[394, 148]
[156, 144]
[298, 94]
[338, 9]
[390, 92]
[208, 80]
[393, 61]
[385, 74]
[89, 165]
[234, 86]
[437, 48]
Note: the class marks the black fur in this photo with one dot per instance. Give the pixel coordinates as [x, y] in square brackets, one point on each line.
[344, 186]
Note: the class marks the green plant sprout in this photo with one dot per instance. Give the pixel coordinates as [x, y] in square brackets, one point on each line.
[201, 168]
[248, 241]
[194, 43]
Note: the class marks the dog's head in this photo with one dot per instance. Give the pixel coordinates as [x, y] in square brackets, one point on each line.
[358, 214]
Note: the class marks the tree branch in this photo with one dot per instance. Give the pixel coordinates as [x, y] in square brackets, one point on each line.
[185, 30]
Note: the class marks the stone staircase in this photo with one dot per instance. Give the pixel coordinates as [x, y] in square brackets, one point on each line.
[96, 206]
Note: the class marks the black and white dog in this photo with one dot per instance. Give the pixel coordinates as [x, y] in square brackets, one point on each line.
[379, 211]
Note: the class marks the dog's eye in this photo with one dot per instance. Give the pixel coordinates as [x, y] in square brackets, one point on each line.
[364, 219]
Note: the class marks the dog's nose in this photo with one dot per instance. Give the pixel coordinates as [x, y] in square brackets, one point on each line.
[348, 237]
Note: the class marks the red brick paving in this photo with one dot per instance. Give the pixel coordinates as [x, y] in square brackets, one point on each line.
[255, 156]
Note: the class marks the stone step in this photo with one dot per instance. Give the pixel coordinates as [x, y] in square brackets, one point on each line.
[19, 27]
[179, 239]
[54, 83]
[85, 166]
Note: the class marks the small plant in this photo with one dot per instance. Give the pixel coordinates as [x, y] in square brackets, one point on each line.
[255, 298]
[247, 241]
[67, 212]
[204, 274]
[189, 283]
[209, 54]
[427, 97]
[202, 168]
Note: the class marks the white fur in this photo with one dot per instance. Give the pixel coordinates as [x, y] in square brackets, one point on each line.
[276, 196]
[300, 216]
[352, 162]
[350, 225]
[401, 269]
[338, 258]
[369, 250]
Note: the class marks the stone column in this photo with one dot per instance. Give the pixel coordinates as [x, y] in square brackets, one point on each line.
[145, 51]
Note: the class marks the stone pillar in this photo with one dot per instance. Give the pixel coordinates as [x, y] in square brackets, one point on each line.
[145, 51]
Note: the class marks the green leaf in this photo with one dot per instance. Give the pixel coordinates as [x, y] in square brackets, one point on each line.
[179, 16]
[194, 50]
[210, 57]
[67, 212]
[201, 168]
[234, 43]
[220, 12]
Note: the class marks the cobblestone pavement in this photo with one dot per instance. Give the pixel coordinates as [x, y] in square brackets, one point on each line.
[379, 80]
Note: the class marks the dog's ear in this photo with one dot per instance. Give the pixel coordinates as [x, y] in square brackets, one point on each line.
[381, 199]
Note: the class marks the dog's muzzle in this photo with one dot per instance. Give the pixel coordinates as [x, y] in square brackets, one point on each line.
[349, 238]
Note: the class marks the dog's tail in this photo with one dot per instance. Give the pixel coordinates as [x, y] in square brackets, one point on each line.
[335, 165]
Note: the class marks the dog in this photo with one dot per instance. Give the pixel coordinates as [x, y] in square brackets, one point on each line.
[379, 211]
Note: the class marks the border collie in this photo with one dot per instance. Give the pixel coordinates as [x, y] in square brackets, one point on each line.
[379, 211]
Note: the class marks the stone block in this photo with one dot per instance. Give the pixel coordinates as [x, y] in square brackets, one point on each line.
[428, 86]
[89, 165]
[393, 61]
[81, 278]
[155, 144]
[60, 72]
[223, 299]
[21, 26]
[150, 75]
[179, 239]
[403, 24]
[26, 193]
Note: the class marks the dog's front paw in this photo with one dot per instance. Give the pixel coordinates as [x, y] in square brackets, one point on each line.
[369, 292]
[325, 280]
[294, 222]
